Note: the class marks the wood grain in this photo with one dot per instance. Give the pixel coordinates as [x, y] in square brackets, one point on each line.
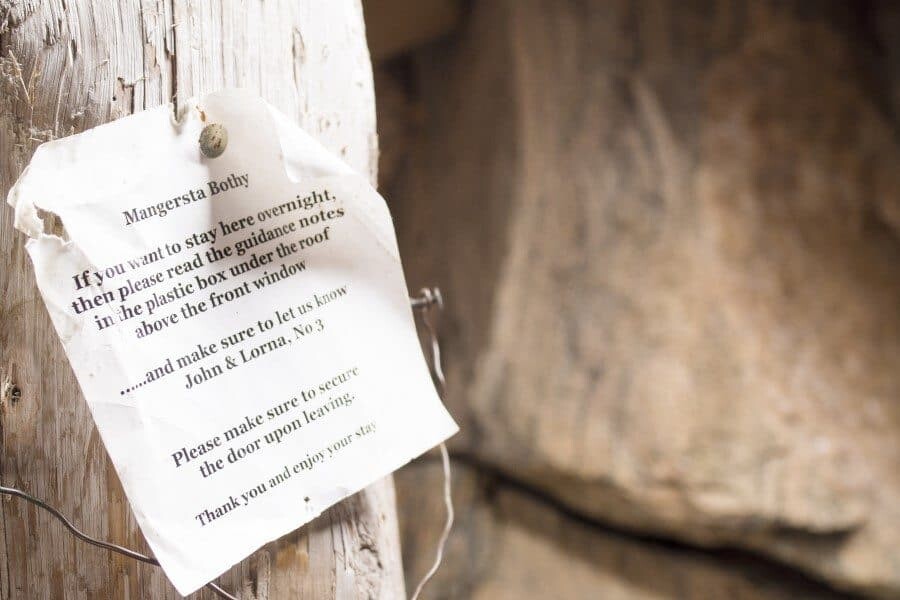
[66, 66]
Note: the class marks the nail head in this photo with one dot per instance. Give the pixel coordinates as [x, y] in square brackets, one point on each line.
[213, 140]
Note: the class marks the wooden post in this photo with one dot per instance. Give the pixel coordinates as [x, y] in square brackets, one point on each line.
[69, 65]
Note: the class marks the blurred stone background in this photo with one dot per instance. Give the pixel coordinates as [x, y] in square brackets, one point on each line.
[668, 236]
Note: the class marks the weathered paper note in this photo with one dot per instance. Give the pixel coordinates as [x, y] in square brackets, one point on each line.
[239, 326]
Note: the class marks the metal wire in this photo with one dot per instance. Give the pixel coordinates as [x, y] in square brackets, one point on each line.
[9, 491]
[427, 299]
[75, 531]
[430, 299]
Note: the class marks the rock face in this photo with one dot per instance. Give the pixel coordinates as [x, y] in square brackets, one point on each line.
[508, 546]
[669, 241]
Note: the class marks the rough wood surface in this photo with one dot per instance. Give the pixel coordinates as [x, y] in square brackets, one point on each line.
[68, 65]
[668, 243]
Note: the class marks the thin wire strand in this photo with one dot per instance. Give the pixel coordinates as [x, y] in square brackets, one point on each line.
[448, 525]
[431, 301]
[425, 302]
[9, 491]
[77, 532]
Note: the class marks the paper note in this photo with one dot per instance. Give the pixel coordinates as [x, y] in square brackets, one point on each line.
[240, 326]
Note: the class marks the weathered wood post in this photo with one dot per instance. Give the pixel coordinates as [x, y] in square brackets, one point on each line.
[69, 65]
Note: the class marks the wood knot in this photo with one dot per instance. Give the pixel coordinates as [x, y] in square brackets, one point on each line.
[213, 140]
[10, 393]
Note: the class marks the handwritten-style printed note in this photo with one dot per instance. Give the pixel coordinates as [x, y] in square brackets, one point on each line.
[240, 326]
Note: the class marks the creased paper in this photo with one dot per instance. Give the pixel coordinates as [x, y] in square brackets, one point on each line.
[239, 326]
